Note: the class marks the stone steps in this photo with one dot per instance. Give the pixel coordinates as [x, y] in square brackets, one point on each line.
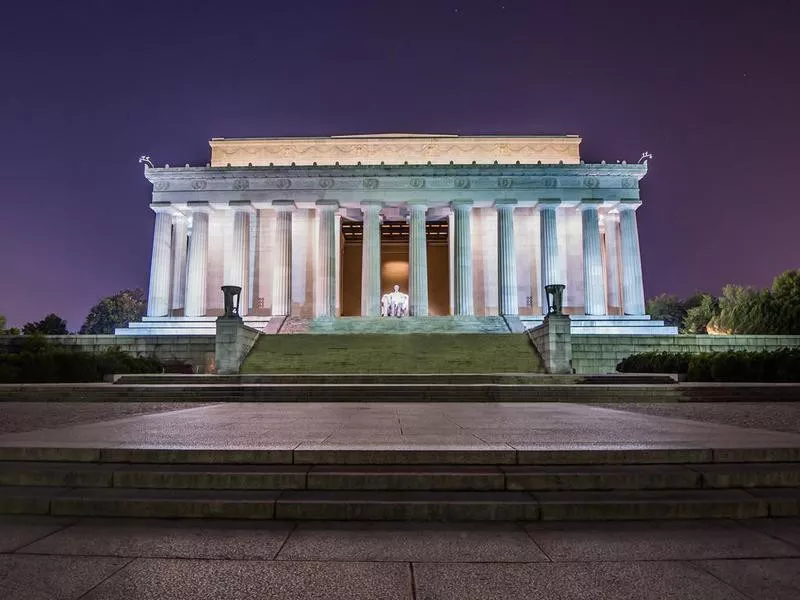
[400, 477]
[323, 482]
[401, 505]
[392, 378]
[399, 392]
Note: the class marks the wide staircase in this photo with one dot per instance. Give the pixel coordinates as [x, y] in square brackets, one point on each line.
[410, 353]
[396, 484]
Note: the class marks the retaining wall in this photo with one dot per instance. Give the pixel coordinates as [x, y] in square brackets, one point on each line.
[197, 350]
[601, 353]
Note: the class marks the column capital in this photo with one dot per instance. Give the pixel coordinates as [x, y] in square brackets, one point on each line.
[544, 203]
[165, 208]
[462, 204]
[590, 204]
[284, 205]
[371, 205]
[505, 203]
[241, 206]
[327, 204]
[628, 204]
[199, 206]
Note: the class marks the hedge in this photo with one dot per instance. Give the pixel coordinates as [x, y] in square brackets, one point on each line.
[781, 365]
[38, 361]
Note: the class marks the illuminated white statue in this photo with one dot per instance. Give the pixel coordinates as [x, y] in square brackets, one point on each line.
[394, 304]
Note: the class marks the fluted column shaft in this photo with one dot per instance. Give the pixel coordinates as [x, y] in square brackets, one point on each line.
[632, 285]
[179, 238]
[418, 262]
[160, 266]
[594, 285]
[462, 283]
[612, 260]
[548, 248]
[506, 259]
[371, 260]
[282, 273]
[240, 258]
[197, 267]
[326, 258]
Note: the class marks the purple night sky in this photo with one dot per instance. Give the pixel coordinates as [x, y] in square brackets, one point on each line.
[712, 89]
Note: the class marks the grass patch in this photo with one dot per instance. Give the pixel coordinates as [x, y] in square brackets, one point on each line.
[389, 353]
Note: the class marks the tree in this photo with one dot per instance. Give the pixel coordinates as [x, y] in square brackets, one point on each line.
[673, 310]
[115, 311]
[700, 315]
[667, 308]
[4, 331]
[52, 324]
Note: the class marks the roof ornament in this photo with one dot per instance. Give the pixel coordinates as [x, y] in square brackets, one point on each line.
[644, 158]
[146, 160]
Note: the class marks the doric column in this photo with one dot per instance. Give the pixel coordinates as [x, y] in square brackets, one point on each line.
[594, 288]
[462, 261]
[632, 286]
[197, 262]
[418, 261]
[506, 258]
[179, 240]
[160, 264]
[239, 266]
[326, 258]
[548, 246]
[282, 273]
[612, 259]
[371, 259]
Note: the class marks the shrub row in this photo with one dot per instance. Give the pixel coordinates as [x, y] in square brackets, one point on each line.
[38, 361]
[767, 366]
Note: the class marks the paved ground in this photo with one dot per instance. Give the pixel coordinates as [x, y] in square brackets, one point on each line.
[408, 425]
[777, 416]
[235, 560]
[28, 416]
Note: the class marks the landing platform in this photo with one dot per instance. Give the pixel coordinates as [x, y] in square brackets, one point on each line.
[476, 433]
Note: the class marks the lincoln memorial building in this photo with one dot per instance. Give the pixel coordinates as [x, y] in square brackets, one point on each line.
[466, 226]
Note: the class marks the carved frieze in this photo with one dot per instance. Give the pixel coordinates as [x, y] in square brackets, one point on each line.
[630, 183]
[504, 182]
[283, 183]
[199, 184]
[591, 182]
[326, 182]
[417, 182]
[461, 183]
[371, 183]
[240, 183]
[161, 186]
[396, 149]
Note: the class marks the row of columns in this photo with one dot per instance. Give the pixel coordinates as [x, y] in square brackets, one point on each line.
[169, 265]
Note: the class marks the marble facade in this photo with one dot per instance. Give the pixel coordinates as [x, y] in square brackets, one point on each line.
[267, 214]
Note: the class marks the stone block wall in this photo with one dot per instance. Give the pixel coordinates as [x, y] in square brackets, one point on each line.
[197, 350]
[601, 353]
[553, 341]
[233, 343]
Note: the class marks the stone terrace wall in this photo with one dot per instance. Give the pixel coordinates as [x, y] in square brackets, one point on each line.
[197, 350]
[602, 353]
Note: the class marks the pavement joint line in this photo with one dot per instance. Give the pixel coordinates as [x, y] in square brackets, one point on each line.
[425, 561]
[699, 567]
[46, 535]
[412, 580]
[289, 534]
[110, 575]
